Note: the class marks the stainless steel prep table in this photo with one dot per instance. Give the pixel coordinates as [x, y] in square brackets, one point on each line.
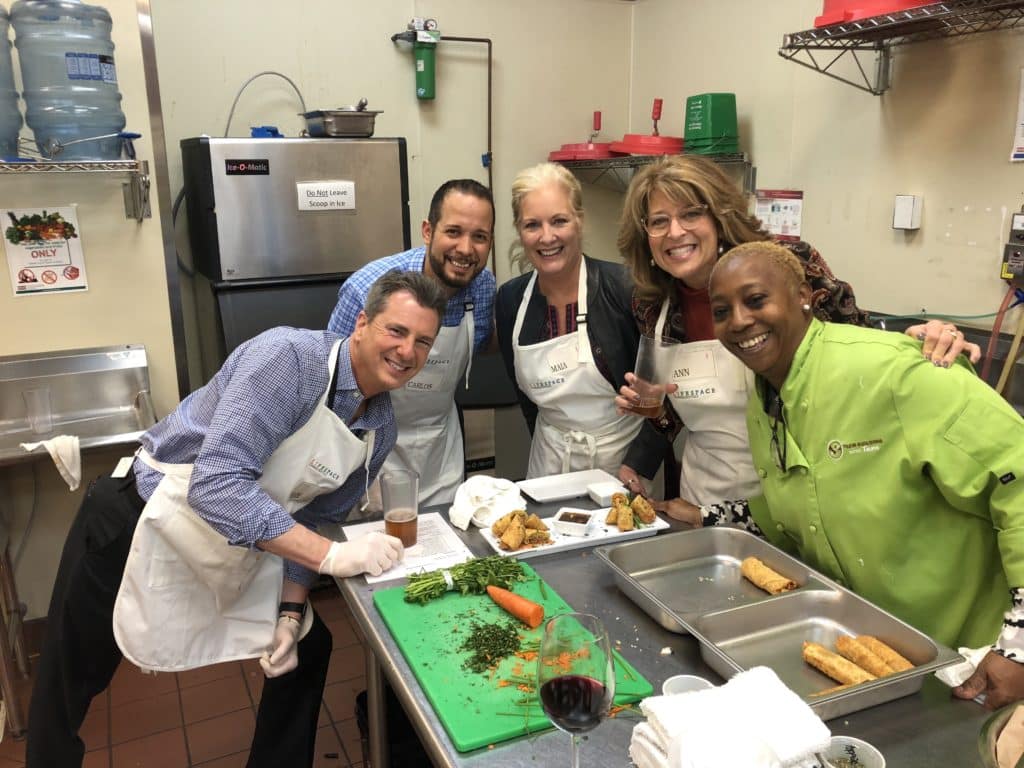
[926, 729]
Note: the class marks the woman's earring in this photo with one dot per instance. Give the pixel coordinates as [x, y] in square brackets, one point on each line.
[721, 249]
[806, 307]
[652, 261]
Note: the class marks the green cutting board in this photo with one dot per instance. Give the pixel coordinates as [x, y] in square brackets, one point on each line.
[473, 708]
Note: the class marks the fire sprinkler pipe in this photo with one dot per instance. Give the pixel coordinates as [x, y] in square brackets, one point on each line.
[488, 156]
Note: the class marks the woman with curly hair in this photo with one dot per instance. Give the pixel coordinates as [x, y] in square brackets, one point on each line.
[681, 213]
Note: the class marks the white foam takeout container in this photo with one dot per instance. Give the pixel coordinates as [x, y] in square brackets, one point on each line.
[601, 493]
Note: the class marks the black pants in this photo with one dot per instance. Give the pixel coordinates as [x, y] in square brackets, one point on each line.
[80, 656]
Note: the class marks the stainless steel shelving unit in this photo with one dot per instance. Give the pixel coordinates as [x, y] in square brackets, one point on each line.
[838, 47]
[136, 189]
[616, 172]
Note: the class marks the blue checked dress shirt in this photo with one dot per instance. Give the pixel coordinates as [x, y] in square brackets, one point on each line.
[267, 389]
[352, 296]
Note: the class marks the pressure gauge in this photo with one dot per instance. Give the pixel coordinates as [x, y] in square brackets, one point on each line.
[430, 24]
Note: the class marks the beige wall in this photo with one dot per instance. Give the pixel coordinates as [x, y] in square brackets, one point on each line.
[942, 131]
[127, 302]
[554, 64]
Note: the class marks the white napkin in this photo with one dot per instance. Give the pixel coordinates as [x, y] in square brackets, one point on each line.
[956, 674]
[483, 499]
[67, 457]
[645, 749]
[698, 729]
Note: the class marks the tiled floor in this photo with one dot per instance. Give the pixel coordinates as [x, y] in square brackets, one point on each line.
[204, 718]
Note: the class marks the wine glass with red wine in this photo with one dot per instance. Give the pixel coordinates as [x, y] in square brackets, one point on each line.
[575, 676]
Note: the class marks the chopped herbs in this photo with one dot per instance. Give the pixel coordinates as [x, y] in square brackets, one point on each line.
[470, 577]
[487, 644]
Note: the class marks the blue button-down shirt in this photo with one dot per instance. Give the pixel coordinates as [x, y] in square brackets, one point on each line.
[352, 296]
[266, 389]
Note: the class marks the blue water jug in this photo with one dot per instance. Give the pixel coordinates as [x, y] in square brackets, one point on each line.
[10, 117]
[70, 84]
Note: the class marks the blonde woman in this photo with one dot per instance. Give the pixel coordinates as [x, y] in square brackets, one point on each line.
[565, 331]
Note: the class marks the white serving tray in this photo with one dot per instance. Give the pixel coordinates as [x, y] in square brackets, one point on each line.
[566, 486]
[598, 533]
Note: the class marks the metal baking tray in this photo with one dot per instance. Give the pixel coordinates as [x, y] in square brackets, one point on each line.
[678, 577]
[739, 626]
[341, 123]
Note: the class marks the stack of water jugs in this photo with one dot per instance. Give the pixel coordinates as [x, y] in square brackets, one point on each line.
[70, 84]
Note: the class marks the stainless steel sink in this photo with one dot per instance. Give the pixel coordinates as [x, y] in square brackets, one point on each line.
[99, 394]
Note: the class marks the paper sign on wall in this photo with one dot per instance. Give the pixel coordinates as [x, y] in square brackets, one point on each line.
[44, 252]
[1017, 153]
[780, 212]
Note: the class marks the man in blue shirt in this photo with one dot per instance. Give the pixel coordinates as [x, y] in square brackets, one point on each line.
[204, 551]
[457, 237]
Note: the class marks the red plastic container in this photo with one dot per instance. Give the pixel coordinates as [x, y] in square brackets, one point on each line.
[639, 144]
[585, 151]
[839, 11]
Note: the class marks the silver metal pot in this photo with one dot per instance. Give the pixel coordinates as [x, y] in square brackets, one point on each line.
[345, 122]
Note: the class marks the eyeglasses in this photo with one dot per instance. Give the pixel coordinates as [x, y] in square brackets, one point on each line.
[688, 218]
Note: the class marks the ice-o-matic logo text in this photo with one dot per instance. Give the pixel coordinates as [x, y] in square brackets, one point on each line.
[253, 167]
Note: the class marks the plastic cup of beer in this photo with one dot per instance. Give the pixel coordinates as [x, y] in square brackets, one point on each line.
[399, 489]
[651, 371]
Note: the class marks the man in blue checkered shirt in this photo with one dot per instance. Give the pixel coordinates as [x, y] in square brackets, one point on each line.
[288, 434]
[457, 237]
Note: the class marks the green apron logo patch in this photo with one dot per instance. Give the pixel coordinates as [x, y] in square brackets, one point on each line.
[837, 448]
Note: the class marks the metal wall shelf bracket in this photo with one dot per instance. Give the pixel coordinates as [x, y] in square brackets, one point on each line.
[135, 190]
[878, 35]
[616, 172]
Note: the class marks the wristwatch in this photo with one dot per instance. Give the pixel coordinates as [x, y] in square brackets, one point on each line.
[286, 607]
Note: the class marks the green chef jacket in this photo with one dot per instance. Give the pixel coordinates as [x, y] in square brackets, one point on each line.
[904, 482]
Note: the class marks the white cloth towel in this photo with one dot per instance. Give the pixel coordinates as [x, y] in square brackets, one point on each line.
[483, 499]
[66, 455]
[645, 749]
[955, 674]
[754, 720]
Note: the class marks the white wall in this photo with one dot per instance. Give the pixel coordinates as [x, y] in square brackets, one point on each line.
[942, 131]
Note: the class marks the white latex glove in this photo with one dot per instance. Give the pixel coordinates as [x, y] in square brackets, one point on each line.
[284, 656]
[373, 553]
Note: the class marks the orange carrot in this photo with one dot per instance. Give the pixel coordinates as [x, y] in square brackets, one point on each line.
[527, 611]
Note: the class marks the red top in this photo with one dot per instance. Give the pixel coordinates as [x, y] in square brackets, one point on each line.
[696, 306]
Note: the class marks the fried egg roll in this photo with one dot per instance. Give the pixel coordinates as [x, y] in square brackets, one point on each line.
[764, 577]
[885, 653]
[863, 656]
[643, 509]
[834, 665]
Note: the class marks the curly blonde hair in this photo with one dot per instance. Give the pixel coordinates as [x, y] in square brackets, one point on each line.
[531, 179]
[686, 180]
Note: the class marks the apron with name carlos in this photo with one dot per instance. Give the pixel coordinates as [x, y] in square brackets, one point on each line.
[577, 426]
[712, 402]
[188, 598]
[429, 435]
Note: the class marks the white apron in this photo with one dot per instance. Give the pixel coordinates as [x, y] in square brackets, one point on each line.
[187, 597]
[712, 401]
[577, 426]
[429, 436]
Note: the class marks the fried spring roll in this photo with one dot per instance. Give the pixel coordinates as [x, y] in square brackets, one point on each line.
[834, 665]
[643, 509]
[613, 516]
[863, 656]
[764, 577]
[827, 691]
[885, 653]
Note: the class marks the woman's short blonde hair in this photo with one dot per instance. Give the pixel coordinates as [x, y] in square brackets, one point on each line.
[777, 255]
[686, 180]
[533, 178]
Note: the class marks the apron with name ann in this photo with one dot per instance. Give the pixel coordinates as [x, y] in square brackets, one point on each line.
[429, 435]
[188, 598]
[714, 387]
[577, 426]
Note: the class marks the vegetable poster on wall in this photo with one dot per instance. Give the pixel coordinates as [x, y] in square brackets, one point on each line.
[44, 252]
